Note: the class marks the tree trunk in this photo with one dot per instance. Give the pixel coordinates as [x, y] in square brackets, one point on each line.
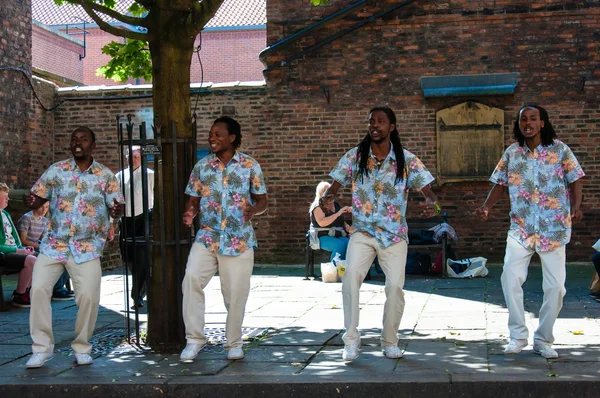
[171, 58]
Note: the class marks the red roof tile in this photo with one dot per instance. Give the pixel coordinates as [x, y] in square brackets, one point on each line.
[231, 13]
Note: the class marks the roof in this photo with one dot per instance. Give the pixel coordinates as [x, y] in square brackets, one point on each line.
[48, 13]
[240, 13]
[232, 13]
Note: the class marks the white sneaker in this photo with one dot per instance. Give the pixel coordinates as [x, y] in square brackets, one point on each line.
[235, 353]
[545, 350]
[392, 351]
[38, 359]
[515, 346]
[350, 352]
[190, 351]
[83, 359]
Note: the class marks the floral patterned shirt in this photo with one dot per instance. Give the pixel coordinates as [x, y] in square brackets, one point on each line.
[537, 183]
[79, 209]
[222, 190]
[378, 203]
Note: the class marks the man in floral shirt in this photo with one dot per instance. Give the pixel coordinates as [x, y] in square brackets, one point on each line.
[227, 189]
[82, 194]
[381, 173]
[543, 180]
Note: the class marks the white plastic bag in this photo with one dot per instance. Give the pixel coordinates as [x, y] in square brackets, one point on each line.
[340, 265]
[471, 267]
[329, 272]
[597, 246]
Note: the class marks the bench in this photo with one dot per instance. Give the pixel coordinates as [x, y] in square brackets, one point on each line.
[413, 225]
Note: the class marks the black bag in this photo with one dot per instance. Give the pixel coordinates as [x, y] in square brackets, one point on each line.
[421, 237]
[418, 263]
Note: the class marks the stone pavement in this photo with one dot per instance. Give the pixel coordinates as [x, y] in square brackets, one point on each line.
[451, 334]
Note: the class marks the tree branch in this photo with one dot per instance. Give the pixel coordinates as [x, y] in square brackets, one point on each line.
[203, 12]
[110, 12]
[105, 26]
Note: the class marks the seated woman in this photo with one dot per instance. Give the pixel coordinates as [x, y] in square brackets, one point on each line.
[335, 237]
[16, 256]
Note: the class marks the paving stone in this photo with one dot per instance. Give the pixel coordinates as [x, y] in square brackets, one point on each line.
[14, 351]
[522, 366]
[328, 362]
[293, 336]
[582, 370]
[175, 368]
[453, 357]
[456, 322]
[242, 368]
[577, 353]
[285, 354]
[305, 326]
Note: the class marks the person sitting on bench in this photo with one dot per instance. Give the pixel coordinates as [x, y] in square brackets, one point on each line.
[16, 256]
[328, 219]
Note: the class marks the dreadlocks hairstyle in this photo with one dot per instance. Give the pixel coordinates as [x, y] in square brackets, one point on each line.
[547, 133]
[365, 146]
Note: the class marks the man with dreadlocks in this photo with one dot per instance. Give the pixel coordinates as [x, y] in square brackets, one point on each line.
[381, 172]
[542, 177]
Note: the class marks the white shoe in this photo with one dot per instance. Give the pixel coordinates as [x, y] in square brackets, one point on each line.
[350, 352]
[545, 350]
[392, 351]
[515, 346]
[38, 359]
[235, 353]
[83, 359]
[190, 351]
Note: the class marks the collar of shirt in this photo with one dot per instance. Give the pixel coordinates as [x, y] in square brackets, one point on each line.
[540, 148]
[391, 154]
[215, 158]
[93, 169]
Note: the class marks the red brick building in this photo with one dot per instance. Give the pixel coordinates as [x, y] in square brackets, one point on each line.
[230, 43]
[320, 90]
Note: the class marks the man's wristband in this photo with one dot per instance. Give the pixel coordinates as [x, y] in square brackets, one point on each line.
[438, 208]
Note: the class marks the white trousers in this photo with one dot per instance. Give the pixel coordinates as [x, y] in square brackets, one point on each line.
[514, 274]
[234, 272]
[86, 278]
[361, 253]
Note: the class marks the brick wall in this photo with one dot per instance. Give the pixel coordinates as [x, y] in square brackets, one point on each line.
[226, 56]
[298, 135]
[57, 54]
[15, 51]
[229, 56]
[382, 63]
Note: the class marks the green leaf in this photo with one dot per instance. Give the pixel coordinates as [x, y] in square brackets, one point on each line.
[137, 10]
[319, 2]
[106, 3]
[129, 60]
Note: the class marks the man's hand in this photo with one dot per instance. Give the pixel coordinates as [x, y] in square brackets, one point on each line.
[27, 251]
[29, 199]
[117, 210]
[247, 211]
[188, 217]
[111, 232]
[33, 201]
[482, 212]
[428, 210]
[576, 216]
